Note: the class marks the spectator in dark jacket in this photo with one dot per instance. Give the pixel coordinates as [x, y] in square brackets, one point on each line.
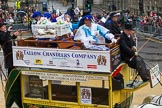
[6, 42]
[129, 53]
[112, 24]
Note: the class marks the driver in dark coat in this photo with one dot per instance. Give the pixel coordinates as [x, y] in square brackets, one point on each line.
[129, 52]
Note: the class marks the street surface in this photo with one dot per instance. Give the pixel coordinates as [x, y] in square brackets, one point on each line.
[152, 55]
[150, 51]
[140, 94]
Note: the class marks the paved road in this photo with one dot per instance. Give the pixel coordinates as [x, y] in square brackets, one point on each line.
[152, 54]
[139, 95]
[151, 51]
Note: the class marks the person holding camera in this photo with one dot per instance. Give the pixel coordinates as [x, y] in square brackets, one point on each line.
[6, 42]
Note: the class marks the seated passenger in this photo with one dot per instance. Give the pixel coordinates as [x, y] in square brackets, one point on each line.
[47, 15]
[81, 22]
[36, 16]
[112, 23]
[53, 17]
[67, 18]
[91, 33]
[129, 53]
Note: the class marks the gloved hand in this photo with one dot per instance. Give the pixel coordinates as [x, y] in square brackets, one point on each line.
[17, 33]
[136, 53]
[9, 28]
[109, 36]
[134, 48]
[113, 40]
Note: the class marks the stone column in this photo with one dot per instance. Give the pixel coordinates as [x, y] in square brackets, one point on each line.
[97, 1]
[80, 4]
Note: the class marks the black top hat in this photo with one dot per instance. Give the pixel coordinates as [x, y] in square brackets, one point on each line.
[128, 26]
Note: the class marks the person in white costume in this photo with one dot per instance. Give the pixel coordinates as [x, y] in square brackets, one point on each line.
[91, 33]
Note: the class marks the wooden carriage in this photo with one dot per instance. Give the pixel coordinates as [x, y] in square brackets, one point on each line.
[61, 73]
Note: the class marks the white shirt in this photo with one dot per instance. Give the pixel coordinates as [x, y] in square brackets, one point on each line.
[86, 34]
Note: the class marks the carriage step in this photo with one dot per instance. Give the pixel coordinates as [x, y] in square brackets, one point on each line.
[133, 86]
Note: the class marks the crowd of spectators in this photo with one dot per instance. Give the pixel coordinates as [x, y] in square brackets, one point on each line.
[11, 15]
[155, 21]
[150, 20]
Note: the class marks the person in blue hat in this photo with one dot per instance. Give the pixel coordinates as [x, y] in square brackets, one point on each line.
[81, 22]
[91, 33]
[37, 16]
[47, 15]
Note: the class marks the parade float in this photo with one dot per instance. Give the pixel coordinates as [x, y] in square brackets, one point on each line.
[54, 71]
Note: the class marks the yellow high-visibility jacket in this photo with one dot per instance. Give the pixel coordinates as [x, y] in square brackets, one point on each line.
[18, 4]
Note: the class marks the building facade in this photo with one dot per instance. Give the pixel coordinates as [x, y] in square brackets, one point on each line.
[133, 6]
[153, 5]
[112, 5]
[148, 5]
